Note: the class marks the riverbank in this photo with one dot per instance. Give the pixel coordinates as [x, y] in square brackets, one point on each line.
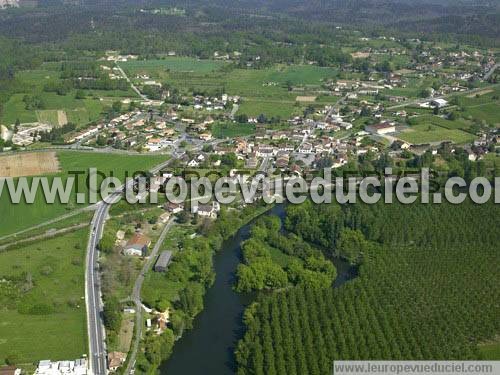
[219, 326]
[181, 290]
[209, 346]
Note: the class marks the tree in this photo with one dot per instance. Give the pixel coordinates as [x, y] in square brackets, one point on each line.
[425, 93]
[117, 106]
[107, 243]
[229, 160]
[112, 314]
[351, 245]
[12, 359]
[80, 94]
[191, 300]
[241, 118]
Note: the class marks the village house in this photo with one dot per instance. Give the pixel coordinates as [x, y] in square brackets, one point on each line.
[174, 208]
[10, 370]
[207, 210]
[155, 183]
[305, 148]
[47, 367]
[223, 150]
[241, 145]
[264, 151]
[115, 360]
[206, 136]
[282, 161]
[137, 246]
[251, 162]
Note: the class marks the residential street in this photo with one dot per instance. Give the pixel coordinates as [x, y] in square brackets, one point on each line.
[136, 296]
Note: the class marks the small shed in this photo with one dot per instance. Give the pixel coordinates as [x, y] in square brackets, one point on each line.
[163, 261]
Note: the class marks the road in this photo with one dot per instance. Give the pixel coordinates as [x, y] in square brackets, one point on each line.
[234, 110]
[96, 335]
[136, 90]
[93, 298]
[136, 296]
[491, 71]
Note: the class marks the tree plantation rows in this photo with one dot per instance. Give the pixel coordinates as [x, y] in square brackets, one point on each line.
[428, 288]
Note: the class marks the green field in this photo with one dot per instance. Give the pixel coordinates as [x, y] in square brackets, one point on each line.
[15, 109]
[177, 64]
[482, 107]
[263, 90]
[20, 216]
[490, 351]
[460, 123]
[426, 133]
[79, 111]
[488, 112]
[229, 130]
[282, 109]
[44, 318]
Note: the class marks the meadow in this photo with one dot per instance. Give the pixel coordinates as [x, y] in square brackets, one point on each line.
[229, 130]
[460, 123]
[263, 91]
[482, 106]
[279, 108]
[427, 133]
[45, 315]
[16, 217]
[177, 64]
[78, 111]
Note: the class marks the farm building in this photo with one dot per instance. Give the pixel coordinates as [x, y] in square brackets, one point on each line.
[163, 261]
[137, 245]
[381, 128]
[439, 103]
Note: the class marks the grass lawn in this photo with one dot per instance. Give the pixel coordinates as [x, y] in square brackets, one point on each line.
[255, 107]
[232, 130]
[426, 133]
[460, 123]
[49, 116]
[488, 112]
[490, 351]
[482, 107]
[56, 268]
[300, 74]
[20, 216]
[15, 109]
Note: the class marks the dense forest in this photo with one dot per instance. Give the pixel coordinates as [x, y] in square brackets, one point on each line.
[393, 309]
[300, 264]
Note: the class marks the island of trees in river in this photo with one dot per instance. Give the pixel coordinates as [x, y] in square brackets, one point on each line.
[428, 288]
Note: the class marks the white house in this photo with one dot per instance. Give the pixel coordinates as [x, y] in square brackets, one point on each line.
[439, 103]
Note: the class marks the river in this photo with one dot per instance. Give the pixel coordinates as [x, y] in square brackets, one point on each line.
[208, 348]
